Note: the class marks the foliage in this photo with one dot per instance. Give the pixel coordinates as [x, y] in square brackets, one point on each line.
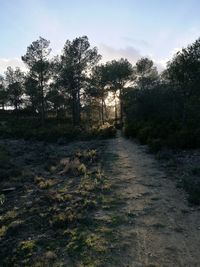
[3, 92]
[74, 85]
[61, 224]
[54, 130]
[165, 111]
[77, 60]
[120, 72]
[37, 60]
[14, 80]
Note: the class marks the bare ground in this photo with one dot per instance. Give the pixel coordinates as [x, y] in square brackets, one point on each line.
[148, 217]
[165, 231]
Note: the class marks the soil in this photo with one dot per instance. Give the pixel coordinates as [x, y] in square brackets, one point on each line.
[142, 220]
[166, 230]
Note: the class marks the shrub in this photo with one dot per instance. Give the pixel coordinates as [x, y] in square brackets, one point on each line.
[192, 186]
[144, 134]
[52, 131]
[104, 131]
[155, 144]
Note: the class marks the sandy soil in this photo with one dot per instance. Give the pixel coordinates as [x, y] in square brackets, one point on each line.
[164, 231]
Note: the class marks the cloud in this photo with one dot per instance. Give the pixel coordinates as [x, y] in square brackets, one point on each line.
[182, 40]
[110, 53]
[131, 53]
[162, 63]
[13, 62]
[136, 41]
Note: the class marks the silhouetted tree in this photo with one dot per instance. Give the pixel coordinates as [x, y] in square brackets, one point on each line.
[77, 60]
[14, 80]
[56, 99]
[120, 74]
[3, 93]
[33, 94]
[183, 74]
[145, 74]
[37, 60]
[164, 109]
[98, 88]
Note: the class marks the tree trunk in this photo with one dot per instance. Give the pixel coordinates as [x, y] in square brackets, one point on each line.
[99, 109]
[16, 106]
[121, 107]
[76, 108]
[42, 99]
[115, 110]
[102, 111]
[42, 110]
[105, 109]
[57, 114]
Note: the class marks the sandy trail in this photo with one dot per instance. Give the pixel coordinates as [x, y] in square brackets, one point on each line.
[166, 231]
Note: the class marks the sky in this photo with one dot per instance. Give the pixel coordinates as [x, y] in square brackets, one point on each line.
[119, 28]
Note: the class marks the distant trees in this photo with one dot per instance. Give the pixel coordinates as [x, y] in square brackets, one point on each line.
[56, 99]
[138, 96]
[32, 94]
[15, 86]
[37, 60]
[183, 74]
[111, 77]
[183, 69]
[145, 73]
[165, 109]
[3, 93]
[154, 106]
[73, 81]
[52, 83]
[77, 60]
[120, 75]
[98, 87]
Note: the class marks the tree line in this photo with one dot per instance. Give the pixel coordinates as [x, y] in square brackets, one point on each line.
[151, 105]
[164, 109]
[74, 81]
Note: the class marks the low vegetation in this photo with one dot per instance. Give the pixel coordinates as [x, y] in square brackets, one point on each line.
[29, 128]
[54, 212]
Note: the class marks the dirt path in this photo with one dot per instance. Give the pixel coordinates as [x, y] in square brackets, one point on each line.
[165, 230]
